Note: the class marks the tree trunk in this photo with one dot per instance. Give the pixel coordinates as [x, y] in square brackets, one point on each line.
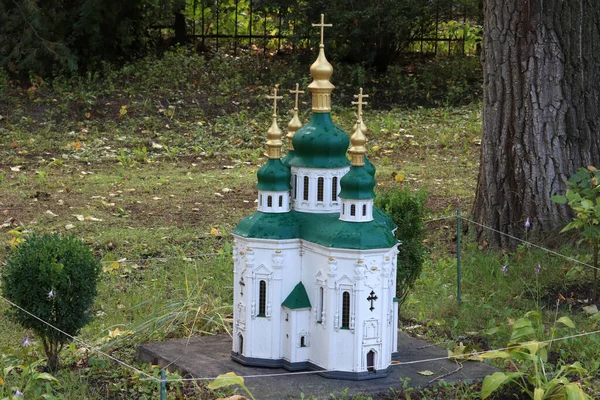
[541, 62]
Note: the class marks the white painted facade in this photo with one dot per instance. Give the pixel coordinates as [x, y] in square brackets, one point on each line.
[351, 326]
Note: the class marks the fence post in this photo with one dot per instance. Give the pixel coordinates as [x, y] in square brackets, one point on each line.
[163, 385]
[458, 256]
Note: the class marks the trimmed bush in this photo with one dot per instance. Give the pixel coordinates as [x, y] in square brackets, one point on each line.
[53, 277]
[407, 211]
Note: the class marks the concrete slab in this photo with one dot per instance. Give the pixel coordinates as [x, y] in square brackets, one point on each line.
[209, 356]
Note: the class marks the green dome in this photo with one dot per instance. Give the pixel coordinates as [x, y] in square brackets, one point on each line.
[287, 158]
[369, 167]
[274, 176]
[320, 144]
[357, 184]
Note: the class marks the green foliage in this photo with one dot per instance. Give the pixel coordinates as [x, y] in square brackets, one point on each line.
[227, 380]
[24, 377]
[407, 211]
[53, 277]
[530, 359]
[584, 199]
[51, 37]
[371, 32]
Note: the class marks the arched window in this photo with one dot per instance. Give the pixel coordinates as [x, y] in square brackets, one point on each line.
[280, 201]
[302, 341]
[269, 201]
[305, 194]
[364, 210]
[346, 310]
[320, 183]
[321, 305]
[262, 298]
[334, 188]
[353, 210]
[343, 208]
[260, 200]
[295, 185]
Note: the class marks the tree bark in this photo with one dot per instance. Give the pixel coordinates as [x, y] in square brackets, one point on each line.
[541, 62]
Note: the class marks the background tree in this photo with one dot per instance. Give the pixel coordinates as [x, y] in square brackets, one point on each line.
[65, 37]
[541, 62]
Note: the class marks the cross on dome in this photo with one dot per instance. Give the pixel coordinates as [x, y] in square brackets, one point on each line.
[274, 97]
[322, 25]
[296, 92]
[360, 96]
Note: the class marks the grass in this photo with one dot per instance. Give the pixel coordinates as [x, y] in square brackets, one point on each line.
[156, 163]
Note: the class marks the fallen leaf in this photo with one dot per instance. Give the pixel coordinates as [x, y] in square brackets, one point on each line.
[214, 231]
[90, 218]
[156, 198]
[425, 372]
[399, 177]
[591, 309]
[69, 227]
[16, 168]
[79, 217]
[50, 213]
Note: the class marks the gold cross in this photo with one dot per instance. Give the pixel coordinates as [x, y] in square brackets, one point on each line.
[296, 92]
[274, 98]
[322, 25]
[360, 96]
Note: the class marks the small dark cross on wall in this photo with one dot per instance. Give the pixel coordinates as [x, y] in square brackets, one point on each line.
[372, 298]
[242, 284]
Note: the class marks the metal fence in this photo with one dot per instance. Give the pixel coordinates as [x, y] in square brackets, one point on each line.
[232, 25]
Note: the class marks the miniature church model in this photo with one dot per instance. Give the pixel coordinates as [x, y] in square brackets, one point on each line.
[315, 266]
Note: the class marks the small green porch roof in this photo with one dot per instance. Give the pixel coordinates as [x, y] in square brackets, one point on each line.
[297, 299]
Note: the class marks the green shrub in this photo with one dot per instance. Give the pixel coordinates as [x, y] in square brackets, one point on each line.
[53, 277]
[407, 211]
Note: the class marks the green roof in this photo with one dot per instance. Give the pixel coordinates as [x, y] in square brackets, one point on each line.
[297, 299]
[320, 144]
[369, 167]
[274, 176]
[357, 184]
[323, 229]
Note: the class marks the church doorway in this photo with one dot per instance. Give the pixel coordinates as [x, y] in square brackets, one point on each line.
[371, 361]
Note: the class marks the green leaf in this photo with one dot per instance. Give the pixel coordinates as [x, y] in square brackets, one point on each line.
[587, 204]
[46, 376]
[226, 380]
[521, 322]
[558, 199]
[494, 381]
[491, 383]
[574, 392]
[566, 321]
[521, 333]
[538, 394]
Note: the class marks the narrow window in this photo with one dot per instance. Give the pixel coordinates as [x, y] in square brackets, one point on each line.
[346, 310]
[260, 200]
[364, 210]
[334, 189]
[320, 183]
[281, 202]
[343, 209]
[295, 185]
[241, 338]
[321, 299]
[305, 194]
[302, 341]
[262, 298]
[353, 210]
[269, 201]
